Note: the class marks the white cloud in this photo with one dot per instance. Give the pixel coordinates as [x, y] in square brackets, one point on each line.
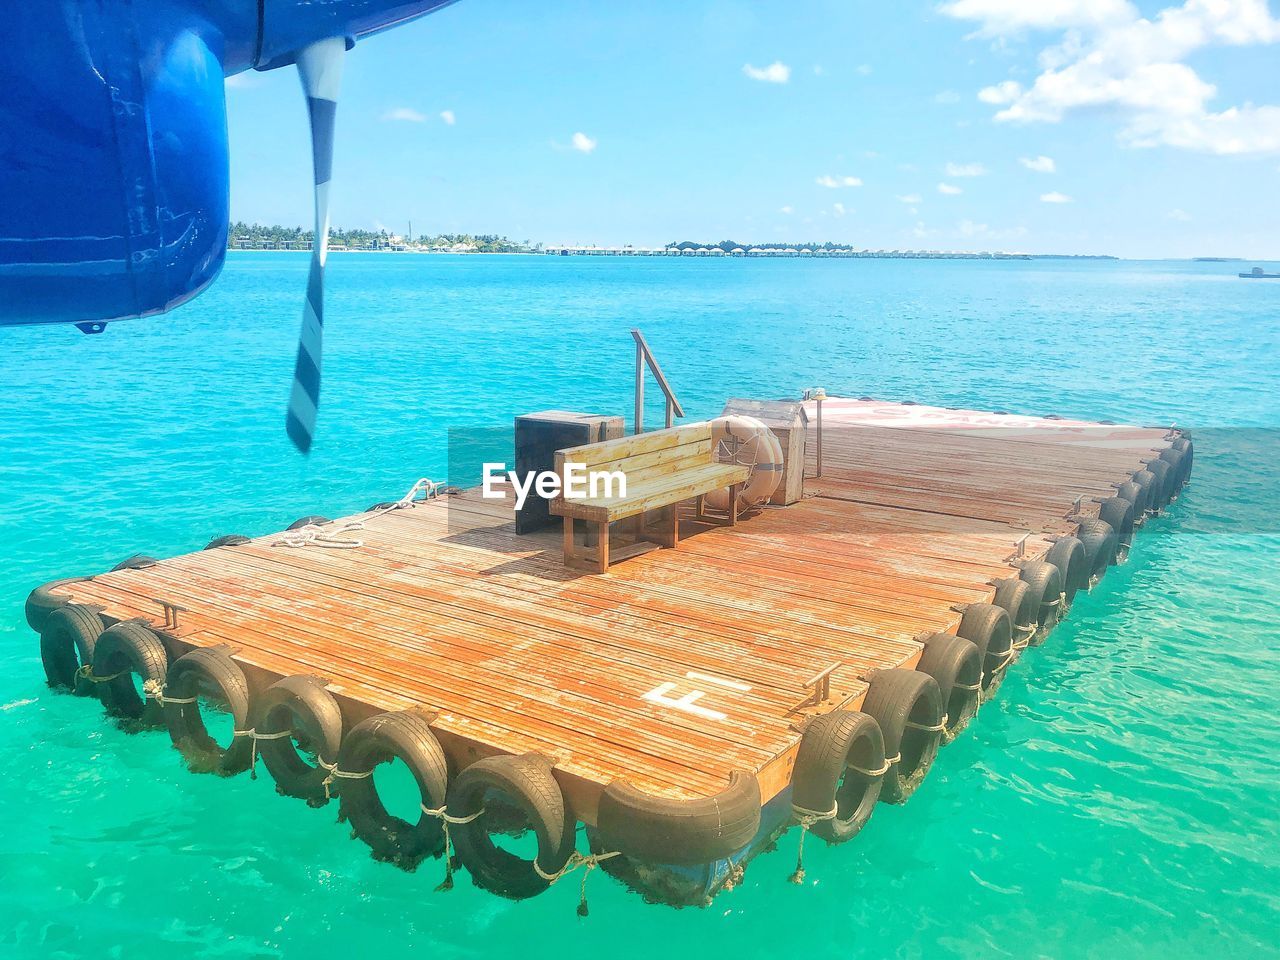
[948, 189]
[832, 183]
[1111, 57]
[788, 209]
[1180, 215]
[910, 198]
[776, 72]
[864, 69]
[839, 209]
[965, 170]
[583, 143]
[448, 117]
[407, 114]
[1001, 18]
[1041, 164]
[1054, 197]
[1006, 91]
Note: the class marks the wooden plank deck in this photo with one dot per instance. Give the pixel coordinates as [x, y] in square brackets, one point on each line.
[444, 608]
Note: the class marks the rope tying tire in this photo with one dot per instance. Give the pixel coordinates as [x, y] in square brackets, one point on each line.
[930, 727]
[86, 673]
[576, 860]
[442, 814]
[888, 765]
[155, 691]
[313, 535]
[335, 774]
[253, 749]
[806, 819]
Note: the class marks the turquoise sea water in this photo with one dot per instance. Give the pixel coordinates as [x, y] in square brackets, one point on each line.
[1119, 797]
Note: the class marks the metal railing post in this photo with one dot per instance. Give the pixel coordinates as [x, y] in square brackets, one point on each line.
[639, 421]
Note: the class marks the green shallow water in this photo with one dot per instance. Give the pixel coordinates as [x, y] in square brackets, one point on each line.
[1119, 797]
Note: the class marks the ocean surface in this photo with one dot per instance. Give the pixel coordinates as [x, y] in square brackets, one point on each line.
[1119, 798]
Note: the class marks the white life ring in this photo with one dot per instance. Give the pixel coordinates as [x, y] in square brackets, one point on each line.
[746, 441]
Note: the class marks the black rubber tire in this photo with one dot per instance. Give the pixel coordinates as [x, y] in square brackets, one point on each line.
[956, 667]
[227, 540]
[1016, 598]
[1100, 545]
[381, 505]
[209, 672]
[1137, 496]
[1069, 556]
[1118, 512]
[1189, 448]
[895, 698]
[123, 650]
[405, 735]
[304, 706]
[66, 644]
[682, 832]
[1178, 460]
[138, 561]
[989, 628]
[835, 750]
[314, 520]
[1044, 581]
[1163, 489]
[42, 601]
[527, 783]
[1145, 479]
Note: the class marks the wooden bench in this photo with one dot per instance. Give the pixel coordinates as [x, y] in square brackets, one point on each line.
[662, 469]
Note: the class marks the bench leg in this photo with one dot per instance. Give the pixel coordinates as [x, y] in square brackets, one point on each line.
[733, 504]
[674, 534]
[570, 552]
[700, 508]
[602, 548]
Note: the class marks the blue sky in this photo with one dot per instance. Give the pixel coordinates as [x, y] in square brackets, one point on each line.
[1141, 130]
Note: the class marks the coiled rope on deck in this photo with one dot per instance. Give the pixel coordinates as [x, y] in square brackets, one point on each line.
[315, 535]
[589, 861]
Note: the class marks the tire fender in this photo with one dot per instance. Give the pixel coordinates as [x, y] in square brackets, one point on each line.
[227, 540]
[1164, 486]
[1068, 555]
[840, 767]
[1015, 597]
[1100, 545]
[42, 601]
[908, 707]
[138, 561]
[123, 650]
[682, 832]
[956, 668]
[1044, 582]
[1118, 512]
[989, 629]
[1146, 480]
[404, 735]
[66, 645]
[303, 706]
[527, 782]
[313, 520]
[208, 668]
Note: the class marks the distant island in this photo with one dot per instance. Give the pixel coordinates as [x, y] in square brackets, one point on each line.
[243, 236]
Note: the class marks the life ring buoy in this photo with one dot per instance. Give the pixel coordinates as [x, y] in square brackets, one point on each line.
[526, 784]
[747, 441]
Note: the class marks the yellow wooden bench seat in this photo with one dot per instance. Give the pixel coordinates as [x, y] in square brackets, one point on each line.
[662, 469]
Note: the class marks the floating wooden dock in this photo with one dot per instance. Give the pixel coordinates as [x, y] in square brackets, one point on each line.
[678, 667]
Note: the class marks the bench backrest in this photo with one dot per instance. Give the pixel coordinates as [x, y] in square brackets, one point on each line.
[647, 455]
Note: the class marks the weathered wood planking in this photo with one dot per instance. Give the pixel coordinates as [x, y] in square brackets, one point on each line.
[445, 609]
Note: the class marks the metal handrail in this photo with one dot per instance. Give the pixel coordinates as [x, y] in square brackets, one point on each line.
[645, 355]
